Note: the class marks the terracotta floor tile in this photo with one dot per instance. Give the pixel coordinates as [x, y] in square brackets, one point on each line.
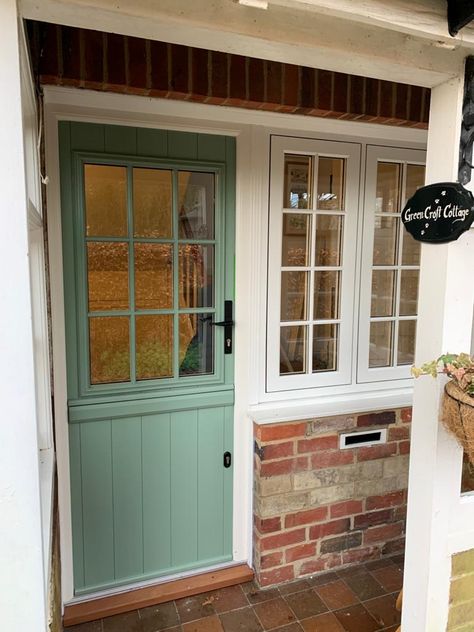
[256, 595]
[227, 599]
[293, 627]
[93, 626]
[160, 617]
[356, 619]
[243, 620]
[337, 595]
[322, 578]
[274, 613]
[390, 578]
[208, 624]
[128, 621]
[292, 587]
[197, 607]
[176, 628]
[322, 623]
[399, 560]
[306, 604]
[386, 561]
[364, 585]
[383, 610]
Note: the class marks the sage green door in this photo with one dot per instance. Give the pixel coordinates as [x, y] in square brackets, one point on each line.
[148, 248]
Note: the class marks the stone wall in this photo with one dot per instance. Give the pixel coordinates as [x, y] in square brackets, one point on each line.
[461, 598]
[317, 506]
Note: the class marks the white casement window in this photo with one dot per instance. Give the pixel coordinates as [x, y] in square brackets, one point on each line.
[327, 325]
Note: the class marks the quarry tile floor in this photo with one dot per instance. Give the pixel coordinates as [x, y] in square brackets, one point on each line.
[360, 598]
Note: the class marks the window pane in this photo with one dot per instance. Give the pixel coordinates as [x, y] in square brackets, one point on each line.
[109, 344]
[409, 292]
[383, 292]
[328, 240]
[196, 344]
[415, 179]
[380, 352]
[107, 275]
[196, 205]
[154, 346]
[326, 295]
[325, 343]
[293, 349]
[105, 191]
[296, 229]
[406, 341]
[294, 295]
[153, 276]
[196, 276]
[152, 195]
[411, 250]
[385, 240]
[297, 192]
[331, 184]
[388, 188]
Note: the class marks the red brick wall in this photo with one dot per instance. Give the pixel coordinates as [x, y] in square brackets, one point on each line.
[109, 62]
[316, 506]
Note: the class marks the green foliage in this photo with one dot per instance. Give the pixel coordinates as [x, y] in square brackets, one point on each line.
[458, 367]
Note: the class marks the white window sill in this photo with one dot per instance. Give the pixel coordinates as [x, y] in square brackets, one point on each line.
[46, 476]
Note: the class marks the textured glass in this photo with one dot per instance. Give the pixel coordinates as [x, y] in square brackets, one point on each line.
[196, 205]
[109, 348]
[328, 240]
[296, 230]
[386, 230]
[326, 295]
[380, 350]
[196, 344]
[411, 250]
[294, 295]
[107, 275]
[154, 346]
[409, 292]
[152, 196]
[415, 179]
[406, 341]
[298, 177]
[105, 192]
[388, 188]
[153, 276]
[383, 293]
[196, 276]
[293, 349]
[331, 184]
[325, 345]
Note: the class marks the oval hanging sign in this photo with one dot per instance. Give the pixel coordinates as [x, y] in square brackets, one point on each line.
[439, 212]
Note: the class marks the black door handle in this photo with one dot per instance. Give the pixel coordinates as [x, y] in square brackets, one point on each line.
[223, 323]
[228, 324]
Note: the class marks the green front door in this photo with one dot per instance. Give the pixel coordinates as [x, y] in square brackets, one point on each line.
[148, 242]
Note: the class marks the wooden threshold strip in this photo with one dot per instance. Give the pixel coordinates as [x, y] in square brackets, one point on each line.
[151, 595]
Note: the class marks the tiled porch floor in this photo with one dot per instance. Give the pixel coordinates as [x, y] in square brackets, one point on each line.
[356, 599]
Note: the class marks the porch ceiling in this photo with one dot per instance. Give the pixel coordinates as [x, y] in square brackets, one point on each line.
[288, 31]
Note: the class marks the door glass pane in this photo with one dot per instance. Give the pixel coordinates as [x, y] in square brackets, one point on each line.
[383, 292]
[325, 343]
[196, 205]
[294, 295]
[385, 240]
[409, 292]
[298, 176]
[152, 195]
[415, 179]
[388, 187]
[293, 349]
[109, 348]
[105, 191]
[296, 229]
[411, 250]
[331, 184]
[107, 275]
[328, 240]
[406, 341]
[196, 276]
[153, 276]
[154, 346]
[326, 294]
[380, 344]
[196, 344]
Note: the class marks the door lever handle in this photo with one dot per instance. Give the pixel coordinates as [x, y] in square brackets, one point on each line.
[223, 323]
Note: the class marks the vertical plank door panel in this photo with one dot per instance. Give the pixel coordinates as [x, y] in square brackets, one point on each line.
[76, 504]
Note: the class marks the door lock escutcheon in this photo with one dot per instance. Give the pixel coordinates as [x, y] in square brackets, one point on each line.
[227, 459]
[228, 324]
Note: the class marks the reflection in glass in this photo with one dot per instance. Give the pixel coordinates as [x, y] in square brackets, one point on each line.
[107, 275]
[196, 205]
[328, 240]
[105, 192]
[293, 349]
[388, 187]
[409, 292]
[296, 228]
[380, 350]
[196, 275]
[153, 276]
[152, 194]
[326, 294]
[154, 346]
[325, 343]
[415, 179]
[331, 184]
[297, 191]
[383, 292]
[293, 295]
[196, 344]
[406, 341]
[411, 250]
[109, 344]
[385, 240]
